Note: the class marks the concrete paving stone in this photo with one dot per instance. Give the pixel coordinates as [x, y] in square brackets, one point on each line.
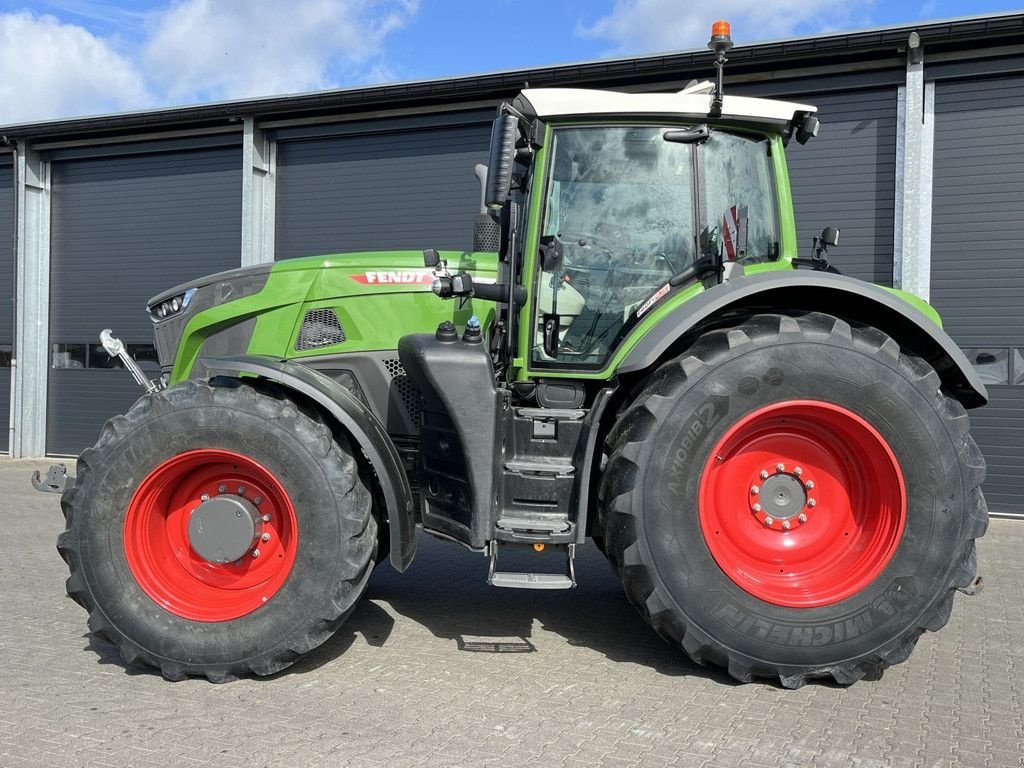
[436, 669]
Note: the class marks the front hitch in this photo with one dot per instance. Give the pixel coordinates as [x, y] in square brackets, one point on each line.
[57, 480]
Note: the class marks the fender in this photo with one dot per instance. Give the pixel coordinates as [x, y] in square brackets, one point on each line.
[838, 295]
[355, 418]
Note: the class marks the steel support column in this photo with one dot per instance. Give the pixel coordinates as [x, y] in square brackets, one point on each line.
[259, 172]
[32, 291]
[915, 133]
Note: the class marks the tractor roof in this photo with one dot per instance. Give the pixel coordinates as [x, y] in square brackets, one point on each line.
[692, 101]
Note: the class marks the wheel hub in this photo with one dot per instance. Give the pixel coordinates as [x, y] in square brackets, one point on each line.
[781, 499]
[223, 529]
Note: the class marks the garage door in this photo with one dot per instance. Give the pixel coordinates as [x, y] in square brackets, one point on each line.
[978, 260]
[6, 297]
[410, 189]
[846, 177]
[123, 229]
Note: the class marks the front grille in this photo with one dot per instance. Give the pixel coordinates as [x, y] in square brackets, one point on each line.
[320, 328]
[406, 390]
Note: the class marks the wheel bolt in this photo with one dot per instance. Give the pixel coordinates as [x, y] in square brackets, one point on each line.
[238, 513]
[811, 502]
[764, 474]
[222, 489]
[780, 467]
[238, 562]
[266, 518]
[757, 507]
[768, 522]
[258, 500]
[241, 490]
[785, 524]
[809, 484]
[265, 537]
[754, 489]
[255, 553]
[205, 497]
[802, 517]
[797, 471]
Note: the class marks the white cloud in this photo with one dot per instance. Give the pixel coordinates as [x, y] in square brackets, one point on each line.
[644, 26]
[50, 69]
[217, 49]
[189, 51]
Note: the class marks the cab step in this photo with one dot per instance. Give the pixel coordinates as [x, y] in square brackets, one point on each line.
[519, 580]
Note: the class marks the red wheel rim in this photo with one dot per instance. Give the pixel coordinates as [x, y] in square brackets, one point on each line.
[802, 503]
[156, 540]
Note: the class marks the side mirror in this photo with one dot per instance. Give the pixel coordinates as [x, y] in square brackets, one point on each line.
[829, 236]
[504, 133]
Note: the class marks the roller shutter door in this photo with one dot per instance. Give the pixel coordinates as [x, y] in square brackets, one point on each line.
[6, 297]
[846, 177]
[122, 230]
[410, 189]
[978, 260]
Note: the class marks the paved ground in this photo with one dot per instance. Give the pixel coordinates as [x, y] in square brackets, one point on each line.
[436, 669]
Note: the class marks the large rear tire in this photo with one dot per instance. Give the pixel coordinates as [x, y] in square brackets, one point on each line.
[178, 589]
[794, 498]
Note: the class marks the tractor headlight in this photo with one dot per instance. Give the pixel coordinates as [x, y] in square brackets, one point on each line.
[171, 306]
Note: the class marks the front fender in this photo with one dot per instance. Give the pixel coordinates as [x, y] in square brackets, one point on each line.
[356, 419]
[838, 295]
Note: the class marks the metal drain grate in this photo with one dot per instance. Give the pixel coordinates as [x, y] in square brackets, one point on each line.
[320, 328]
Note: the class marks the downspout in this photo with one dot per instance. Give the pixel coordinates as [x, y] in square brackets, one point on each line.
[13, 144]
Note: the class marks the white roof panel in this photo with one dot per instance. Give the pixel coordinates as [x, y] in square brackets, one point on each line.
[694, 101]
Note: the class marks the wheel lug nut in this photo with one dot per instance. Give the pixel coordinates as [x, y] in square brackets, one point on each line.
[238, 513]
[754, 489]
[205, 497]
[802, 517]
[255, 553]
[780, 467]
[797, 471]
[811, 502]
[258, 500]
[809, 484]
[241, 490]
[266, 518]
[238, 562]
[785, 524]
[757, 507]
[764, 474]
[222, 489]
[768, 522]
[265, 537]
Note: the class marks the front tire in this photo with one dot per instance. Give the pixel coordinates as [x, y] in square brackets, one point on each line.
[794, 498]
[194, 599]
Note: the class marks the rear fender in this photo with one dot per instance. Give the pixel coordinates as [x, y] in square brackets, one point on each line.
[844, 297]
[352, 416]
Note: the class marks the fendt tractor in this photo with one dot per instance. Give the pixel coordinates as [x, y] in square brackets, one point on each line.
[773, 456]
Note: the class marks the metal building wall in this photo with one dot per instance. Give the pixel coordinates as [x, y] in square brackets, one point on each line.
[978, 260]
[412, 188]
[6, 296]
[123, 229]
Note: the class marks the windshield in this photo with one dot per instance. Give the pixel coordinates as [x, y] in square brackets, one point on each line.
[622, 201]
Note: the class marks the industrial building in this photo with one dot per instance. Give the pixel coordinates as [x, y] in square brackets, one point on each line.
[920, 162]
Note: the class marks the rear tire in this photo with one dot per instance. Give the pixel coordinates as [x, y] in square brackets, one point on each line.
[151, 594]
[713, 572]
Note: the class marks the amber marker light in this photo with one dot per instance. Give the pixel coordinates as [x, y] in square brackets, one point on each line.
[720, 29]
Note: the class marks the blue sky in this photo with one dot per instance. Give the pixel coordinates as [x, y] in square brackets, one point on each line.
[60, 58]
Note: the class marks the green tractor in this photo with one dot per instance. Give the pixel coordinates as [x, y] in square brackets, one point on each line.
[774, 457]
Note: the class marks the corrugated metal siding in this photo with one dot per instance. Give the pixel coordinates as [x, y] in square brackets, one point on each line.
[6, 292]
[978, 253]
[413, 189]
[123, 229]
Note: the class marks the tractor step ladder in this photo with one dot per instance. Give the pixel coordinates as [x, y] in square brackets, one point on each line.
[517, 580]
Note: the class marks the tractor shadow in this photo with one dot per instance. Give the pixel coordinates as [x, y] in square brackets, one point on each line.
[445, 591]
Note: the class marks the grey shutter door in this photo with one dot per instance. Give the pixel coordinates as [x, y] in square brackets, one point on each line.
[6, 298]
[122, 230]
[977, 280]
[405, 190]
[846, 177]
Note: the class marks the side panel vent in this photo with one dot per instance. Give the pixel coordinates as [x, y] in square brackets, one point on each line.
[320, 328]
[404, 388]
